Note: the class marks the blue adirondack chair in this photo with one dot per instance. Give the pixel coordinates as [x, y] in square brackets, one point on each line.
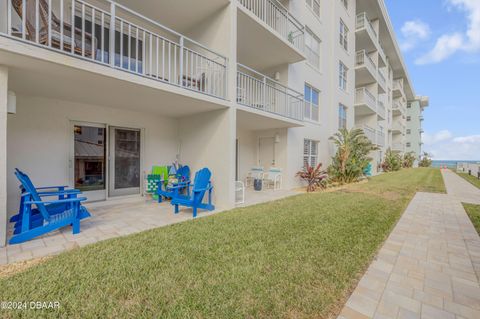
[194, 199]
[48, 214]
[167, 191]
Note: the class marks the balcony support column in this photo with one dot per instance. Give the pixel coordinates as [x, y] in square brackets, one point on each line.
[3, 154]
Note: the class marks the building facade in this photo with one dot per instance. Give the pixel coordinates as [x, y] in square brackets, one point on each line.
[94, 93]
[413, 143]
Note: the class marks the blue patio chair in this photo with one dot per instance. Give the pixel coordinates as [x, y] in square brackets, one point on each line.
[48, 214]
[194, 199]
[183, 181]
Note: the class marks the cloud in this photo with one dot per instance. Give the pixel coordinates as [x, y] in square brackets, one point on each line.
[413, 32]
[444, 146]
[449, 44]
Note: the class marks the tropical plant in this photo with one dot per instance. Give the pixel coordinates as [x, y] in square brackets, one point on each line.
[425, 160]
[408, 160]
[392, 161]
[314, 176]
[351, 158]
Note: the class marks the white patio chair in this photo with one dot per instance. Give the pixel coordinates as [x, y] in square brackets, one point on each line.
[273, 178]
[239, 192]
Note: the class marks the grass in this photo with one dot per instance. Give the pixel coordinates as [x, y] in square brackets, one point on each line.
[473, 212]
[294, 258]
[470, 178]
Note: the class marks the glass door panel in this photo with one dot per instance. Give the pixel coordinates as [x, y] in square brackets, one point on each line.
[125, 164]
[89, 169]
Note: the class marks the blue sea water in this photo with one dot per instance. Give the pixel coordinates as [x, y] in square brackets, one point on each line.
[450, 164]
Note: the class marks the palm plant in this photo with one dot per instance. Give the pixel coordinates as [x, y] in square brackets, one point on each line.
[392, 161]
[351, 158]
[314, 176]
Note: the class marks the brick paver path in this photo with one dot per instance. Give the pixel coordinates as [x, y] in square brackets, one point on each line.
[429, 267]
[460, 188]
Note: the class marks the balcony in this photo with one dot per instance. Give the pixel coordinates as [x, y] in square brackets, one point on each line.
[369, 133]
[365, 102]
[398, 128]
[268, 34]
[114, 36]
[382, 83]
[381, 111]
[366, 37]
[398, 147]
[380, 139]
[398, 107]
[365, 69]
[261, 93]
[382, 57]
[398, 89]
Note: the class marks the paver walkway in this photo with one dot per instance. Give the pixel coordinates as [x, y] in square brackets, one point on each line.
[460, 189]
[429, 267]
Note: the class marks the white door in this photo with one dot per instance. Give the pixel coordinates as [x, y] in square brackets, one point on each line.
[124, 161]
[88, 169]
[266, 152]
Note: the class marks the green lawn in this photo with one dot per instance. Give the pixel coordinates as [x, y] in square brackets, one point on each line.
[472, 179]
[473, 212]
[294, 258]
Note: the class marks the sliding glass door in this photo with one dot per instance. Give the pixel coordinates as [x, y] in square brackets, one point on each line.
[125, 163]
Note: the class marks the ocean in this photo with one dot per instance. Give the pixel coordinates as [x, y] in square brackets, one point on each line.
[449, 164]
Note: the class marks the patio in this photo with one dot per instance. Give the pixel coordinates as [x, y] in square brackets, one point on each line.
[115, 218]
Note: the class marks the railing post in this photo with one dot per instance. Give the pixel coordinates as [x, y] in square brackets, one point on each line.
[182, 43]
[112, 34]
[265, 93]
[9, 17]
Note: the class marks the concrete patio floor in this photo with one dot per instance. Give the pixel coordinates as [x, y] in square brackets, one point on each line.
[115, 218]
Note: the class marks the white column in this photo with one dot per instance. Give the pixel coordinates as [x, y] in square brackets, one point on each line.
[3, 153]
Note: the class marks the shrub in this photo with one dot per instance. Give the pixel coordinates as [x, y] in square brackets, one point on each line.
[425, 160]
[314, 176]
[408, 160]
[392, 161]
[351, 158]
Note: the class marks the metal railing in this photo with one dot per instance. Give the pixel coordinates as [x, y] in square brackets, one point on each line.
[113, 35]
[363, 22]
[362, 59]
[369, 133]
[381, 80]
[398, 84]
[398, 127]
[398, 147]
[276, 16]
[364, 96]
[260, 92]
[399, 106]
[380, 138]
[381, 110]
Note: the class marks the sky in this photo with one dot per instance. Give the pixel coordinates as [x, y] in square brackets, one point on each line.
[440, 42]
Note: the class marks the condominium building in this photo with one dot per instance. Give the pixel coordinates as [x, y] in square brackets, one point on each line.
[413, 142]
[99, 91]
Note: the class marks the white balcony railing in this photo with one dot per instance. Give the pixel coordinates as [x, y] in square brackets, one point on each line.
[363, 22]
[400, 147]
[362, 59]
[369, 133]
[381, 110]
[398, 85]
[381, 80]
[365, 97]
[399, 106]
[260, 92]
[398, 127]
[276, 16]
[380, 138]
[113, 35]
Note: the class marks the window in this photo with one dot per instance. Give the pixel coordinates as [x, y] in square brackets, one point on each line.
[409, 131]
[409, 105]
[342, 76]
[345, 3]
[342, 116]
[409, 118]
[315, 6]
[343, 35]
[311, 103]
[310, 152]
[312, 49]
[409, 144]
